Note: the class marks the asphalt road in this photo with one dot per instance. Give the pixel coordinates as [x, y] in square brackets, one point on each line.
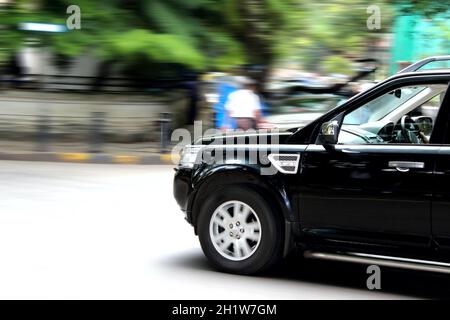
[91, 231]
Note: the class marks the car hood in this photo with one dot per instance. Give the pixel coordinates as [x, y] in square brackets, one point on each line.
[257, 137]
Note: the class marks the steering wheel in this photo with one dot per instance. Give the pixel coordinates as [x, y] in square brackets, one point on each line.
[410, 130]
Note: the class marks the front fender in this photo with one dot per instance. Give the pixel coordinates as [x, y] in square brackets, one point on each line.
[206, 179]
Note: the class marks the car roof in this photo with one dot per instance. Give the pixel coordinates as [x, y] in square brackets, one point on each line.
[441, 75]
[434, 72]
[419, 65]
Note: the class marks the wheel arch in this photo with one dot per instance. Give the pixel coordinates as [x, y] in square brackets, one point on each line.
[270, 187]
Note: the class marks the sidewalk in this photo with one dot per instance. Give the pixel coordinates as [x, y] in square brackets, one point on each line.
[120, 153]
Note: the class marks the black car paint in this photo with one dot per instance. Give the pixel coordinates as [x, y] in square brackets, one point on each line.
[329, 203]
[351, 188]
[441, 201]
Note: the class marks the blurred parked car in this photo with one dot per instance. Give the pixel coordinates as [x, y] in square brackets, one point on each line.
[299, 110]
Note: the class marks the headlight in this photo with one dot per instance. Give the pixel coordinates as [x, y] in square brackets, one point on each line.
[188, 156]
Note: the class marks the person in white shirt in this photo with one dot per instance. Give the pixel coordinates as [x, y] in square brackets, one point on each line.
[244, 105]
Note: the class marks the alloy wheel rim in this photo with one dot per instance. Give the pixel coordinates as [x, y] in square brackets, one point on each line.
[235, 230]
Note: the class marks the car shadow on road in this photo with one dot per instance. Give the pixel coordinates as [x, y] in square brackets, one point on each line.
[408, 283]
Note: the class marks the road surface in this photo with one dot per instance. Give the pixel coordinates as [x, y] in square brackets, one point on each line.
[92, 231]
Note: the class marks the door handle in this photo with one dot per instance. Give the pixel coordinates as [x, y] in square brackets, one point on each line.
[404, 166]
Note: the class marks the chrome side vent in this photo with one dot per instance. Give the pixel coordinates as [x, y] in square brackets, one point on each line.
[285, 163]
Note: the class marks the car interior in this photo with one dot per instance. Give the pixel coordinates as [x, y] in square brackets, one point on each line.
[404, 115]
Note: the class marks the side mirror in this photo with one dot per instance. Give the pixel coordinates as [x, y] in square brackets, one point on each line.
[329, 132]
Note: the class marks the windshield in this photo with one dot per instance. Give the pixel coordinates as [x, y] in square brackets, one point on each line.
[380, 107]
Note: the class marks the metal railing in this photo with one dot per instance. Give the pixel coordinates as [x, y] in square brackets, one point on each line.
[51, 82]
[96, 123]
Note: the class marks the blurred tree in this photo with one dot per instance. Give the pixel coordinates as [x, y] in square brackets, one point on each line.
[336, 64]
[337, 32]
[203, 34]
[198, 34]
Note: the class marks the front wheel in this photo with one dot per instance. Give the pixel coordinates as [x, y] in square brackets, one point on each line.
[239, 231]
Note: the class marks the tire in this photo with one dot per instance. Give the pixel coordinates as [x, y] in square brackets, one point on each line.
[259, 255]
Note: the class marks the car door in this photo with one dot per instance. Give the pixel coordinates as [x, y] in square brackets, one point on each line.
[441, 187]
[441, 202]
[368, 193]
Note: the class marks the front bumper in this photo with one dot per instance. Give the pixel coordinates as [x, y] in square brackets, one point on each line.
[182, 190]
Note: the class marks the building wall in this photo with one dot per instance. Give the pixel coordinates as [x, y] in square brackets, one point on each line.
[417, 37]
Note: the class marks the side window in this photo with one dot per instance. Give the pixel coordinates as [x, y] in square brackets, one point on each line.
[404, 115]
[429, 108]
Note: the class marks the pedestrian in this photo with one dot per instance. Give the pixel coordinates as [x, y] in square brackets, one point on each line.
[244, 105]
[225, 86]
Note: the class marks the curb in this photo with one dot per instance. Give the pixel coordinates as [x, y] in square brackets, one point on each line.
[77, 157]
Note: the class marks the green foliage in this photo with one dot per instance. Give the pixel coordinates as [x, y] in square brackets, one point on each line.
[166, 48]
[336, 64]
[191, 33]
[206, 34]
[338, 28]
[10, 38]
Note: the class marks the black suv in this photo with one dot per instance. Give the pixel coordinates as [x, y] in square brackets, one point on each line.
[368, 182]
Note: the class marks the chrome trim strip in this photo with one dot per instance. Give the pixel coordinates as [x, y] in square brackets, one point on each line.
[378, 148]
[386, 261]
[406, 165]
